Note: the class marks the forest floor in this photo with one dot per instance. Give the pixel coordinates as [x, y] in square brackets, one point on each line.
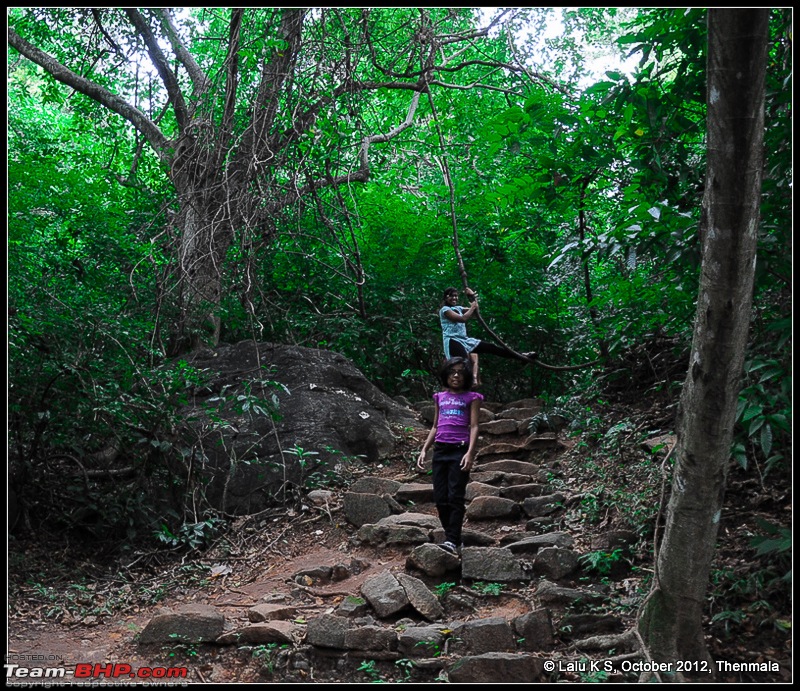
[73, 602]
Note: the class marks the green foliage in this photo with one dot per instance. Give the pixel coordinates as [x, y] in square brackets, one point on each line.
[775, 544]
[81, 323]
[370, 669]
[430, 648]
[304, 457]
[406, 666]
[488, 588]
[729, 618]
[443, 588]
[587, 676]
[268, 654]
[327, 468]
[602, 562]
[191, 535]
[764, 411]
[544, 422]
[757, 593]
[591, 505]
[181, 648]
[76, 601]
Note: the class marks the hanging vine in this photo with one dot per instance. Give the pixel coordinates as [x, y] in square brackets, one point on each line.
[459, 258]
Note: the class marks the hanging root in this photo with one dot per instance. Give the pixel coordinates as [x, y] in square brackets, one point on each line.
[566, 368]
[633, 648]
[462, 269]
[627, 641]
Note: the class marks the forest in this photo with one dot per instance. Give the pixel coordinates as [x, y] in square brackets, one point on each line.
[182, 179]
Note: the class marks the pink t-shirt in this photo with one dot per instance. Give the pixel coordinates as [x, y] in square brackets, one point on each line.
[454, 415]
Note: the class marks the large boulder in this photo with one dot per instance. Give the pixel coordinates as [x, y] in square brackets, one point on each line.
[265, 417]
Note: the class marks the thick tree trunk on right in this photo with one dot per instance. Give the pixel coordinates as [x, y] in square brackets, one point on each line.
[671, 622]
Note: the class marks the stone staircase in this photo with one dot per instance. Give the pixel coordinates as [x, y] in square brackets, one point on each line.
[511, 602]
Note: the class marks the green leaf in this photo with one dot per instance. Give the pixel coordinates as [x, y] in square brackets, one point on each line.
[600, 87]
[766, 439]
[752, 412]
[628, 113]
[739, 454]
[781, 421]
[755, 425]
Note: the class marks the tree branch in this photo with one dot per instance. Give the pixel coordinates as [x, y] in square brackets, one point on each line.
[160, 62]
[363, 171]
[94, 91]
[232, 79]
[199, 79]
[274, 74]
[101, 28]
[474, 85]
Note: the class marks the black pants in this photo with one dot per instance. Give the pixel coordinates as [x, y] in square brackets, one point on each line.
[450, 488]
[483, 348]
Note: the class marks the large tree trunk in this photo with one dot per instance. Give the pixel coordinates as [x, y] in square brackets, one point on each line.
[213, 195]
[671, 622]
[201, 254]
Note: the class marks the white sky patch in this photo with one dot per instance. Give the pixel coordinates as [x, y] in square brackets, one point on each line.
[599, 59]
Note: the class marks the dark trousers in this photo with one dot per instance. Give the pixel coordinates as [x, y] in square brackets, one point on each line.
[483, 348]
[450, 488]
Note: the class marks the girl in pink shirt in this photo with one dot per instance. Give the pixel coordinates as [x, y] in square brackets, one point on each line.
[454, 437]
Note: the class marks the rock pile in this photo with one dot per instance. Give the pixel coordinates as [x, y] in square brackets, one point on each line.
[426, 615]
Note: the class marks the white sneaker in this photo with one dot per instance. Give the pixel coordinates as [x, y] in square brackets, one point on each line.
[449, 547]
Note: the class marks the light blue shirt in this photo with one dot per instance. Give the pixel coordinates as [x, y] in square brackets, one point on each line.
[456, 331]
